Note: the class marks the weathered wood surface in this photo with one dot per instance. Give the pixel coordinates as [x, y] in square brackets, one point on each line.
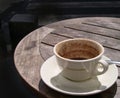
[37, 47]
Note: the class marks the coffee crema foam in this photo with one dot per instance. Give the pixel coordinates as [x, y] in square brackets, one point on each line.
[77, 52]
[79, 55]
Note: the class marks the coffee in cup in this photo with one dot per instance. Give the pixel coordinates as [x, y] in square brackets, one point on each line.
[80, 58]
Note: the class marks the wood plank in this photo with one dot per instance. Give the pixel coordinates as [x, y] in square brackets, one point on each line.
[27, 56]
[110, 23]
[46, 51]
[53, 39]
[118, 80]
[94, 29]
[109, 51]
[112, 54]
[105, 41]
[117, 95]
[105, 22]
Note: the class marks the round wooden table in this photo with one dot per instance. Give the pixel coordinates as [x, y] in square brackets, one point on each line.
[37, 47]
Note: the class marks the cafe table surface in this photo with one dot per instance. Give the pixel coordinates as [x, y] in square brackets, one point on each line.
[36, 47]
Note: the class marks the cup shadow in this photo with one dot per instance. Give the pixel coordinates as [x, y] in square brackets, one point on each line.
[109, 93]
[77, 87]
[85, 86]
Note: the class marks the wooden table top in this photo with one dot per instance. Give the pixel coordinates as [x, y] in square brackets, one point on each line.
[37, 47]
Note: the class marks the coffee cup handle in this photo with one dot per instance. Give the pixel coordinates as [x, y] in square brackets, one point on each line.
[101, 67]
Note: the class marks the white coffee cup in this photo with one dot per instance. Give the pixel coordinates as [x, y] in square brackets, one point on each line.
[80, 58]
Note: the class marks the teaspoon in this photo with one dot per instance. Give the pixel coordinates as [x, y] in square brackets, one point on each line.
[112, 62]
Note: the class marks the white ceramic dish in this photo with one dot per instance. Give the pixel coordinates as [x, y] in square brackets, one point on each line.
[50, 74]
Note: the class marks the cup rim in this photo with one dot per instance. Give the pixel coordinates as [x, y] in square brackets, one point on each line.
[67, 59]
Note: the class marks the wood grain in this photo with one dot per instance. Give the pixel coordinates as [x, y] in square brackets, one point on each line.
[27, 56]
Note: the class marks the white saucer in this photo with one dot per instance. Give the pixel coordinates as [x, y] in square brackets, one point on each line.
[50, 74]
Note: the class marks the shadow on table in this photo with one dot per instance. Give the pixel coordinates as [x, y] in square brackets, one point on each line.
[11, 84]
[110, 93]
